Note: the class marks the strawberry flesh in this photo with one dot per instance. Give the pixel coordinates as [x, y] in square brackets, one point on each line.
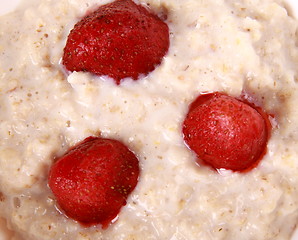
[120, 39]
[92, 181]
[225, 132]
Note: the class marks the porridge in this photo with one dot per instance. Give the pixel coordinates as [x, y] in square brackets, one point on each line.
[235, 47]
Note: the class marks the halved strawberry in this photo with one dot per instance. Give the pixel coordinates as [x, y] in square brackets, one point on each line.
[92, 181]
[120, 39]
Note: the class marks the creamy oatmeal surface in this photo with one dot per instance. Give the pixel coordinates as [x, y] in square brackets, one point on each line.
[220, 45]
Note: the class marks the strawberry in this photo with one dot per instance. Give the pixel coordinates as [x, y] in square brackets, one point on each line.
[92, 181]
[120, 39]
[225, 132]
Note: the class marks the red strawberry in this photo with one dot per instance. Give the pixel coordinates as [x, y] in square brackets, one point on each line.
[92, 181]
[226, 132]
[120, 39]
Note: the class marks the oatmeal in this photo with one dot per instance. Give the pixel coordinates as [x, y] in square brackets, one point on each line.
[235, 47]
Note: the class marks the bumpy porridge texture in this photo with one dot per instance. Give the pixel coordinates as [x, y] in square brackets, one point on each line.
[242, 46]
